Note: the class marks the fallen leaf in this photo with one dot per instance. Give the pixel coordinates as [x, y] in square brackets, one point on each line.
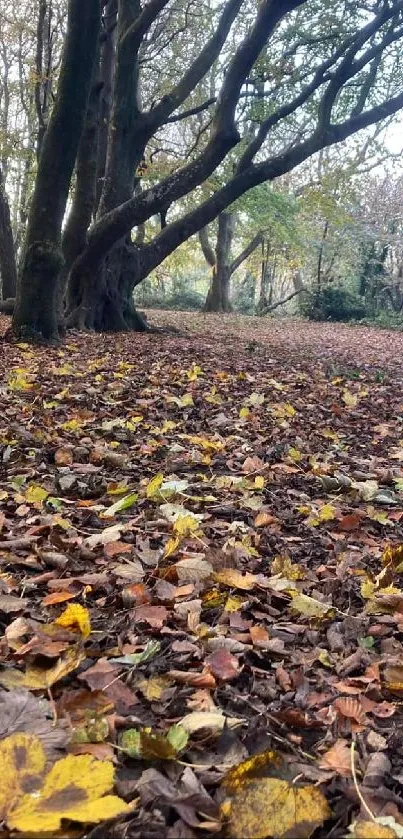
[223, 665]
[38, 678]
[311, 608]
[155, 616]
[235, 579]
[212, 720]
[75, 617]
[74, 788]
[338, 758]
[263, 807]
[22, 712]
[10, 604]
[193, 569]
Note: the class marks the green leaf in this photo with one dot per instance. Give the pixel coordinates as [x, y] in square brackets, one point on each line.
[178, 737]
[118, 506]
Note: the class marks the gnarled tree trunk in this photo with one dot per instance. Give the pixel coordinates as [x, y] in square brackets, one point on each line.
[35, 315]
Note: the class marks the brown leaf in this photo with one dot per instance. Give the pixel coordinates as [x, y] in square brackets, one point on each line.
[21, 711]
[223, 665]
[338, 758]
[9, 603]
[260, 636]
[100, 675]
[63, 457]
[199, 680]
[155, 616]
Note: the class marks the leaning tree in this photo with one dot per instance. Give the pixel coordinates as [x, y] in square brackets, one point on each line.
[292, 78]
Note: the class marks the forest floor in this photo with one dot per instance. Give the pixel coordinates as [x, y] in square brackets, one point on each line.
[201, 559]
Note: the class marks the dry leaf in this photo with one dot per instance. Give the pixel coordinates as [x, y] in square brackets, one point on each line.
[74, 788]
[212, 720]
[22, 712]
[337, 758]
[75, 617]
[263, 807]
[223, 665]
[154, 687]
[235, 579]
[38, 678]
[194, 569]
[197, 680]
[311, 608]
[376, 829]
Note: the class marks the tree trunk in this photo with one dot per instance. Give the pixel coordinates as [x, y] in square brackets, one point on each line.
[104, 301]
[107, 64]
[82, 211]
[217, 299]
[8, 268]
[101, 299]
[35, 315]
[218, 295]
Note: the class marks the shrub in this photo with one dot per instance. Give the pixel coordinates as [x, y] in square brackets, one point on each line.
[184, 301]
[332, 303]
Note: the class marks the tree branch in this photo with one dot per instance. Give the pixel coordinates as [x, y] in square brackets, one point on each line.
[271, 308]
[253, 244]
[208, 251]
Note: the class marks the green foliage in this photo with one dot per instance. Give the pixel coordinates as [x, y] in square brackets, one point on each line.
[181, 300]
[333, 302]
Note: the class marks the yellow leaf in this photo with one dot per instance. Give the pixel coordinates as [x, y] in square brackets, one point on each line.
[154, 687]
[153, 486]
[235, 579]
[75, 617]
[73, 789]
[36, 494]
[326, 513]
[368, 587]
[71, 425]
[233, 603]
[171, 546]
[204, 443]
[244, 412]
[294, 454]
[263, 807]
[349, 399]
[186, 400]
[21, 756]
[311, 608]
[186, 525]
[283, 410]
[393, 554]
[259, 482]
[39, 678]
[374, 829]
[282, 565]
[18, 381]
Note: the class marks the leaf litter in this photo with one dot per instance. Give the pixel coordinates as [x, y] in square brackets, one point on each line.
[201, 559]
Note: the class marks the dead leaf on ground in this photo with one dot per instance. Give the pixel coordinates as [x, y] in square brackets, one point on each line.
[263, 807]
[74, 788]
[338, 758]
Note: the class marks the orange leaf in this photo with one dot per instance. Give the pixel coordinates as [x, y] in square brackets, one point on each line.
[197, 680]
[338, 758]
[57, 597]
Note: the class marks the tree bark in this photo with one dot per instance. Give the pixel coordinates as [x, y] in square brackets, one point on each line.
[8, 268]
[218, 295]
[106, 70]
[74, 237]
[35, 315]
